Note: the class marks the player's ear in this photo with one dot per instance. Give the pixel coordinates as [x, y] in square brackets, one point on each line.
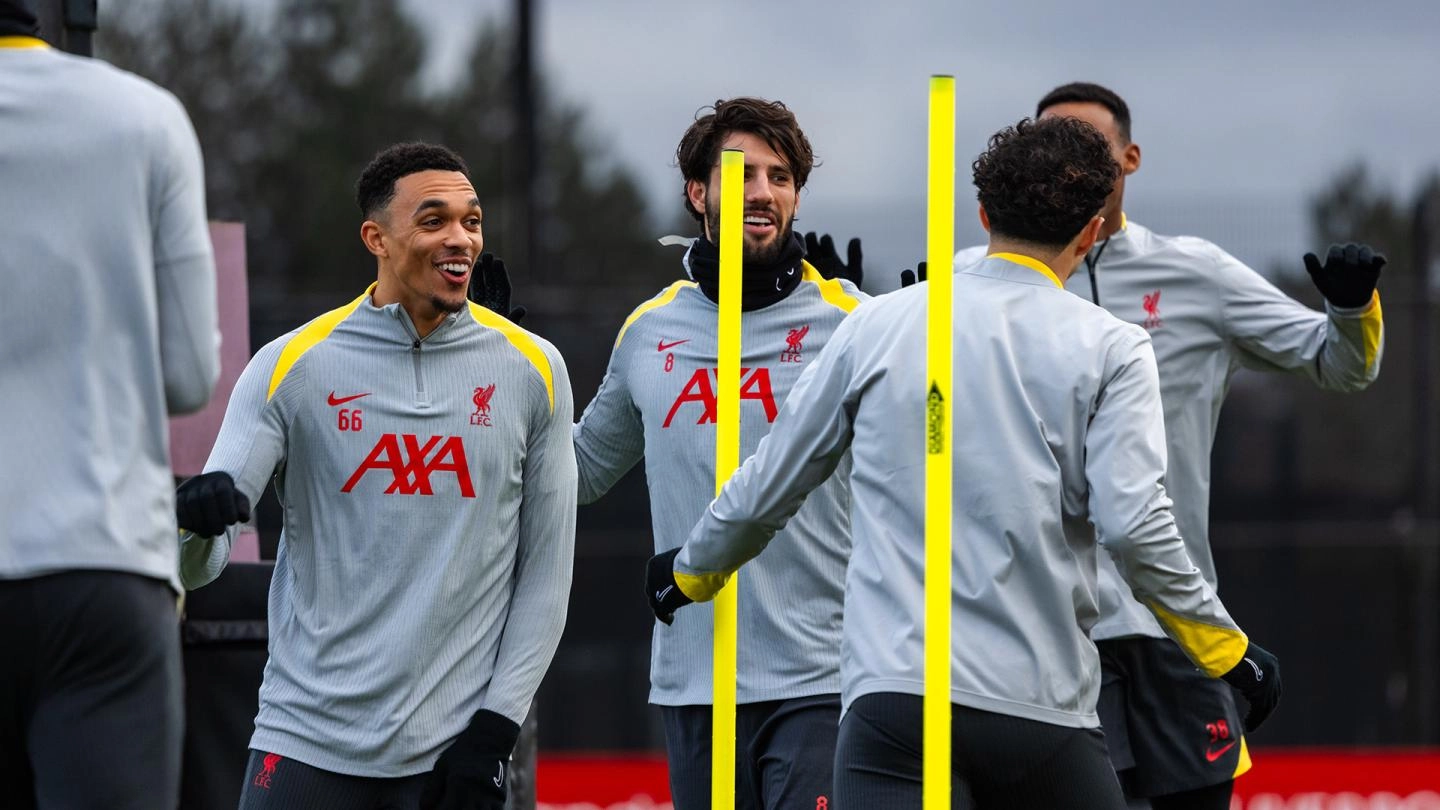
[695, 191]
[1089, 235]
[984, 219]
[372, 234]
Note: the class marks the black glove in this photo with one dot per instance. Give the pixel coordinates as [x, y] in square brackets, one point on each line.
[1257, 678]
[821, 253]
[660, 588]
[908, 277]
[1347, 279]
[490, 287]
[207, 503]
[470, 774]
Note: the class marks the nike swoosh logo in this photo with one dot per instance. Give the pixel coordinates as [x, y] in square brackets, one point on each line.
[665, 347]
[334, 400]
[500, 779]
[660, 595]
[1212, 755]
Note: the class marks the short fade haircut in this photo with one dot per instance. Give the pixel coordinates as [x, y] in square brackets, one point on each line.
[1087, 92]
[376, 186]
[771, 121]
[1042, 181]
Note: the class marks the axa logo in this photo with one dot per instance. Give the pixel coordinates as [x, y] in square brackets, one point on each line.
[410, 464]
[1151, 302]
[794, 344]
[700, 390]
[482, 396]
[267, 771]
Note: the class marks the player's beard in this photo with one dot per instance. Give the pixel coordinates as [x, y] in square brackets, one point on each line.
[452, 307]
[762, 255]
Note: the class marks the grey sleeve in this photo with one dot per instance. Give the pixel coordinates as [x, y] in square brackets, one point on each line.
[184, 266]
[1124, 467]
[250, 447]
[610, 436]
[1339, 349]
[544, 558]
[811, 433]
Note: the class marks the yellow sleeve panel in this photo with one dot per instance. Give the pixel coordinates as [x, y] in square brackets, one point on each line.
[1372, 326]
[308, 338]
[658, 301]
[522, 341]
[830, 289]
[1216, 650]
[701, 587]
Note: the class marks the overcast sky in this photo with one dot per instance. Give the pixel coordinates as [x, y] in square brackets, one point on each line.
[1242, 109]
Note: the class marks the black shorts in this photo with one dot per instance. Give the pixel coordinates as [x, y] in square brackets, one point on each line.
[90, 712]
[273, 782]
[784, 758]
[997, 762]
[1169, 726]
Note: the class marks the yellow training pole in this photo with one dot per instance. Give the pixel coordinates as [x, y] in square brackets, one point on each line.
[939, 253]
[727, 458]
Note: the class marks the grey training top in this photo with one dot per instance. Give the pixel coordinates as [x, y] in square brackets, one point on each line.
[657, 401]
[1209, 315]
[109, 313]
[429, 496]
[1056, 419]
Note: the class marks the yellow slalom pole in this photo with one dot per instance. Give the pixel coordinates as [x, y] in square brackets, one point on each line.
[727, 458]
[939, 253]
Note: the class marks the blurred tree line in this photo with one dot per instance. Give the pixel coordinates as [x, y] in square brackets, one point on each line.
[291, 101]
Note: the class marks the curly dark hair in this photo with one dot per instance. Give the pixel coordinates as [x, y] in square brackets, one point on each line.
[1042, 181]
[1088, 92]
[376, 186]
[771, 121]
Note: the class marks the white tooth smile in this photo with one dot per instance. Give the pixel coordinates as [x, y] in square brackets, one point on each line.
[455, 268]
[757, 221]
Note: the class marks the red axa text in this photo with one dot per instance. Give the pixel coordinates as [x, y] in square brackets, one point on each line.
[410, 464]
[700, 389]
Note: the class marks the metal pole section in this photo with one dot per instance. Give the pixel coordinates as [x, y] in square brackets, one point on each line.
[524, 168]
[1427, 627]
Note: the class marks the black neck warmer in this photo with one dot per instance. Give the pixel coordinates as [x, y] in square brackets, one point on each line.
[16, 20]
[761, 284]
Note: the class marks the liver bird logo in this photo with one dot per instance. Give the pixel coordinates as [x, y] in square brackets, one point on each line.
[482, 399]
[792, 340]
[1151, 302]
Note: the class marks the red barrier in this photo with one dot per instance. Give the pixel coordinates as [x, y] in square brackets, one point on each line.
[602, 782]
[1283, 779]
[1340, 779]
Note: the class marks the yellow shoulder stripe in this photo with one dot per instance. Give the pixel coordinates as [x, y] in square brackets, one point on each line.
[830, 289]
[308, 336]
[1032, 263]
[1216, 650]
[658, 301]
[1372, 326]
[522, 341]
[701, 587]
[22, 42]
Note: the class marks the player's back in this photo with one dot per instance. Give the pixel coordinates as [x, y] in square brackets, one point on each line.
[97, 168]
[1030, 365]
